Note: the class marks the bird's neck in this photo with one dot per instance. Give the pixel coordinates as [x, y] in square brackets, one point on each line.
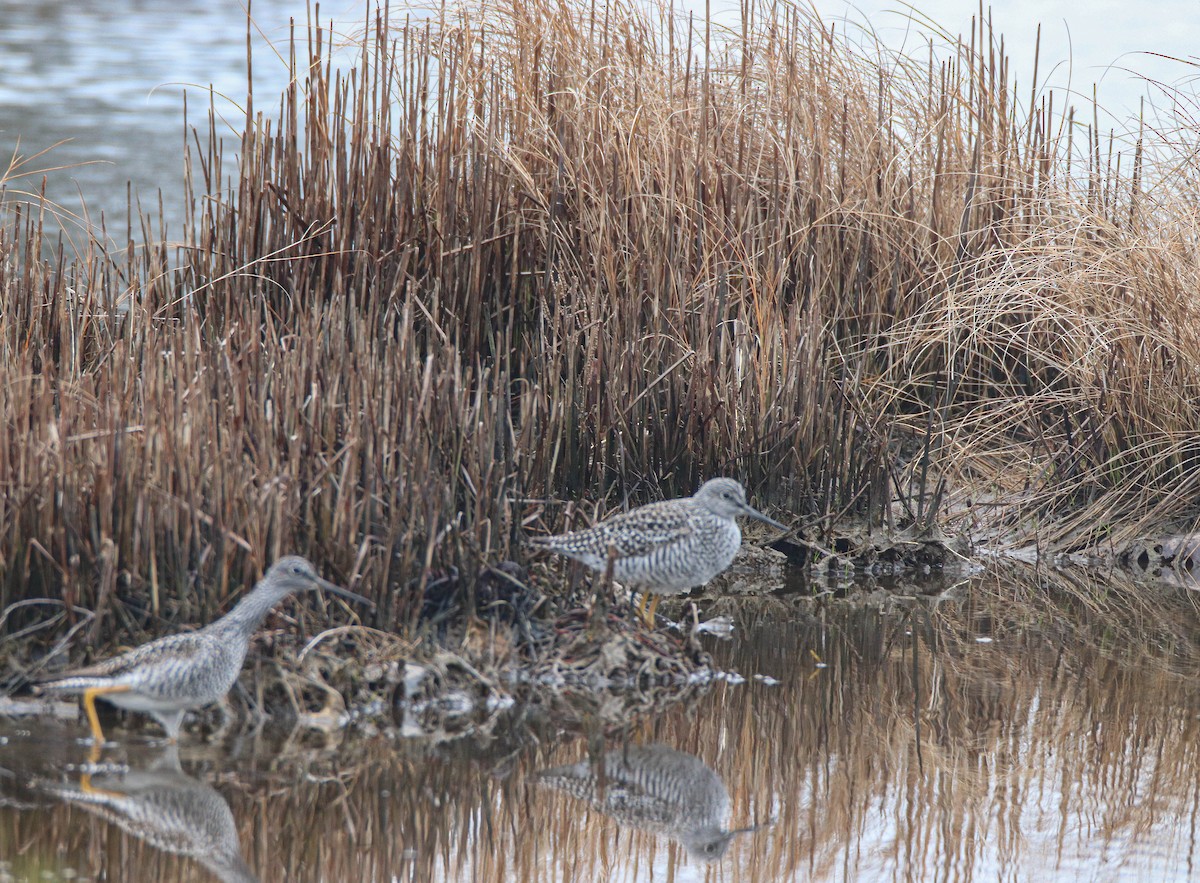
[722, 518]
[249, 613]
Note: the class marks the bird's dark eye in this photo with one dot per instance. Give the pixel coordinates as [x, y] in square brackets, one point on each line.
[299, 571]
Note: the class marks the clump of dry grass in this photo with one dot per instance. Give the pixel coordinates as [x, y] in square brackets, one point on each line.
[539, 253]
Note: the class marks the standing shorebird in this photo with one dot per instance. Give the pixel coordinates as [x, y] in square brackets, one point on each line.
[171, 675]
[657, 789]
[668, 547]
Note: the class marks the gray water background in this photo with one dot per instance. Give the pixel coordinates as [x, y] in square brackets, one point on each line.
[100, 88]
[101, 85]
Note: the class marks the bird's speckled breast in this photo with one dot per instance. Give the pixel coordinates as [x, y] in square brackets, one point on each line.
[686, 563]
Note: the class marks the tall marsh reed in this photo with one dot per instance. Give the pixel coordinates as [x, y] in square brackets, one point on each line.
[546, 252]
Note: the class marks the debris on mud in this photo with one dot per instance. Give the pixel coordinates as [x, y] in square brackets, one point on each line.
[482, 648]
[1174, 558]
[873, 552]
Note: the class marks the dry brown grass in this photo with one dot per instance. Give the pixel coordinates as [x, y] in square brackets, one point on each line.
[530, 254]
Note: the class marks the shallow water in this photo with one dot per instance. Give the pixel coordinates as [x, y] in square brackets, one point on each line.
[1002, 729]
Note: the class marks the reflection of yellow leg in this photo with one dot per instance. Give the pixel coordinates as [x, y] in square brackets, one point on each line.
[86, 786]
[85, 781]
[89, 706]
[653, 610]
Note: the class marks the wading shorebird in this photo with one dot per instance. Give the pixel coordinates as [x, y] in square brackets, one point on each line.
[174, 674]
[668, 547]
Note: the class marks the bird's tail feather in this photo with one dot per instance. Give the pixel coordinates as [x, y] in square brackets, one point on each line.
[70, 684]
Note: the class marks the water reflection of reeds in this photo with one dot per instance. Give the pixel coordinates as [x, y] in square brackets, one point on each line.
[1062, 747]
[1050, 745]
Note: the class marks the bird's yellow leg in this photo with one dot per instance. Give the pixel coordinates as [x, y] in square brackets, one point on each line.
[642, 605]
[653, 610]
[89, 706]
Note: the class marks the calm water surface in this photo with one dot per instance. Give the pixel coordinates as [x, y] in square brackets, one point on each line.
[108, 80]
[1000, 732]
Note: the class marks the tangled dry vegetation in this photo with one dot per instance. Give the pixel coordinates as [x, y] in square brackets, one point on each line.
[530, 254]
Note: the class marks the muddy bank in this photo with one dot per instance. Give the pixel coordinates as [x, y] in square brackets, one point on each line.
[557, 640]
[509, 637]
[455, 675]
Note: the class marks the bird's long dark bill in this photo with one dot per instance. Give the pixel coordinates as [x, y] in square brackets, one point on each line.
[754, 513]
[345, 593]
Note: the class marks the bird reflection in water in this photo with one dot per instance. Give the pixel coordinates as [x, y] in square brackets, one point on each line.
[658, 789]
[166, 808]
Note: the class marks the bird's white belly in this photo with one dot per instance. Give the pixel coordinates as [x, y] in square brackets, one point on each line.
[675, 570]
[134, 701]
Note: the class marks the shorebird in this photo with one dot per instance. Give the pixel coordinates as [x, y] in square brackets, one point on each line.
[668, 547]
[656, 789]
[174, 674]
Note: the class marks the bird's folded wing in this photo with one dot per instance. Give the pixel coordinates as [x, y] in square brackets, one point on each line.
[181, 647]
[648, 528]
